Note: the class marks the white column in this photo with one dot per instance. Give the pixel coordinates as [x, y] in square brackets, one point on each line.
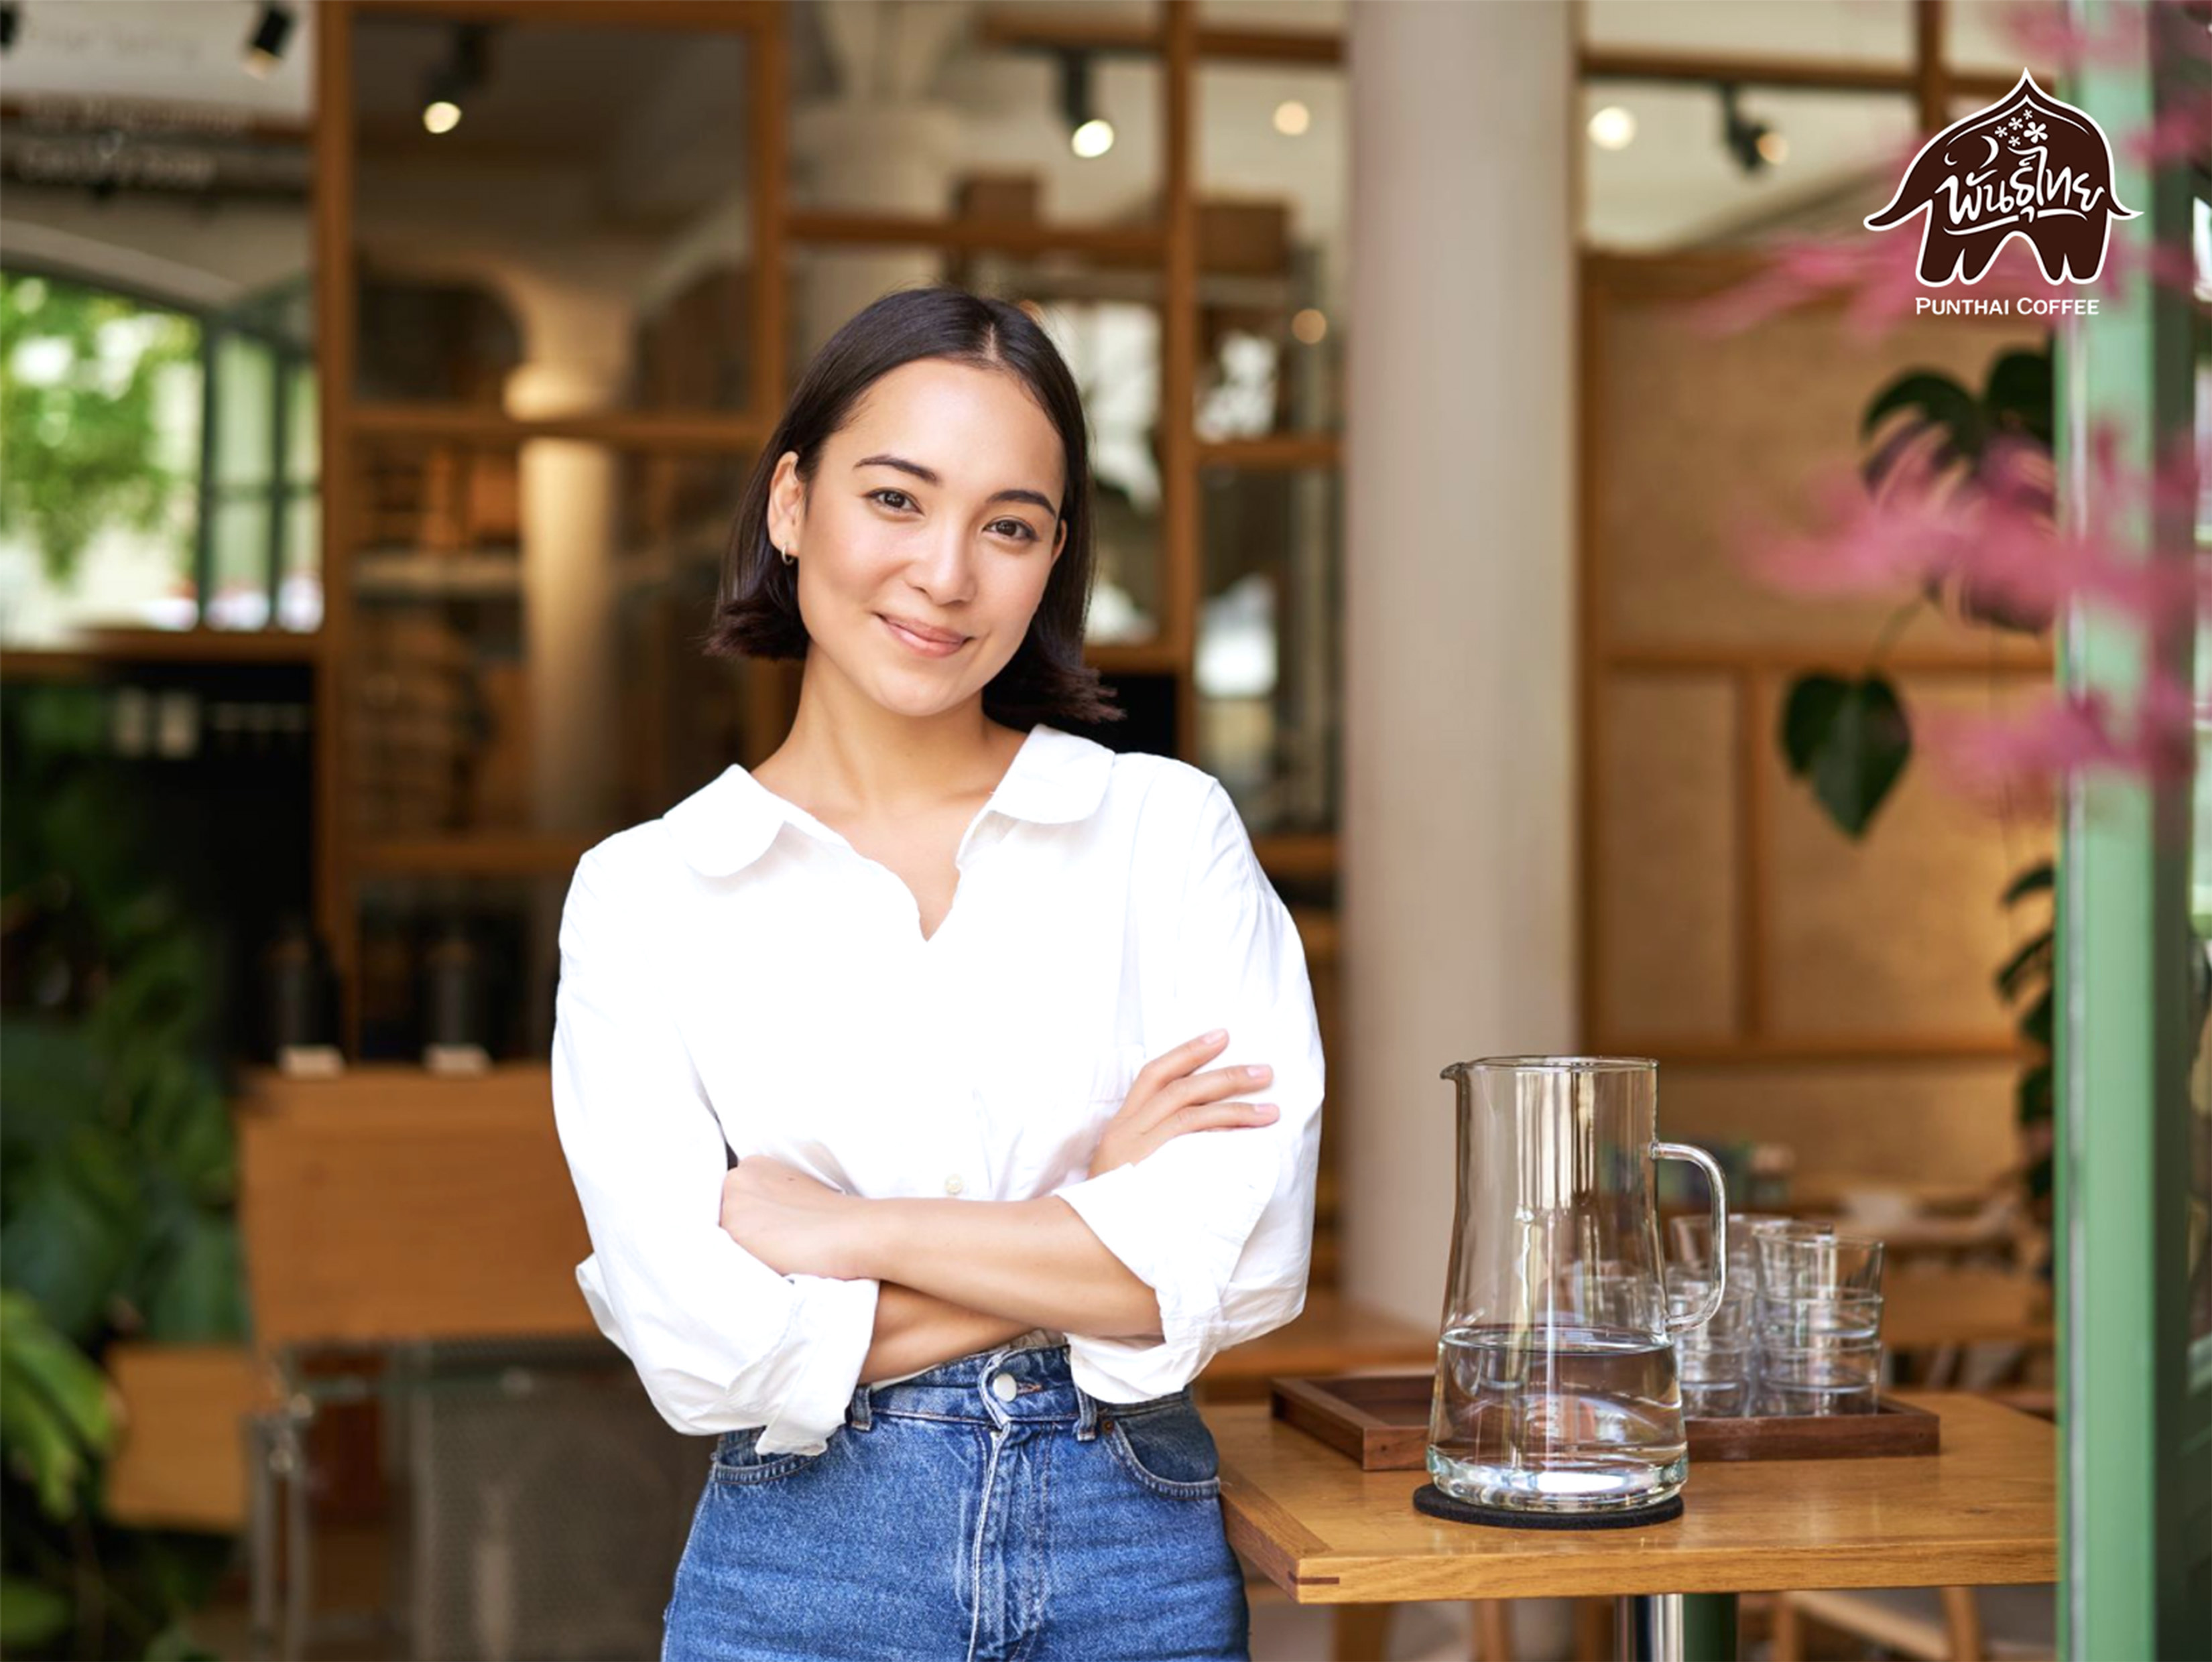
[1458, 832]
[877, 147]
[568, 509]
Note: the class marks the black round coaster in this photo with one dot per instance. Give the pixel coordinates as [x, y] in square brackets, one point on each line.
[1433, 1501]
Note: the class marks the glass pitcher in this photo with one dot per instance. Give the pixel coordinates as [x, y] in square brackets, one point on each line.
[1555, 1387]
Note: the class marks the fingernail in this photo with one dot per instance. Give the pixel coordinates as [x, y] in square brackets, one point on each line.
[1267, 1110]
[1215, 1037]
[1257, 1071]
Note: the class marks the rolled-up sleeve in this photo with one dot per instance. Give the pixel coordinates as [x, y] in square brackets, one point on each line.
[1219, 1223]
[720, 1341]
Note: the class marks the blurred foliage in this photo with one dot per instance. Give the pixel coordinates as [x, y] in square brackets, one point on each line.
[1850, 738]
[118, 1183]
[87, 365]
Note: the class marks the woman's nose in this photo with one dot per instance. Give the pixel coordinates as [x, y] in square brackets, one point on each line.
[945, 571]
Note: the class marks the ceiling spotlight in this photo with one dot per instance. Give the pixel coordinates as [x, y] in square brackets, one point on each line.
[1308, 326]
[465, 68]
[1612, 128]
[1751, 142]
[1089, 133]
[1292, 117]
[264, 47]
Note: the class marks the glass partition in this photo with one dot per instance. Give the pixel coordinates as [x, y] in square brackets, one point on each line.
[1274, 252]
[528, 632]
[548, 218]
[1268, 672]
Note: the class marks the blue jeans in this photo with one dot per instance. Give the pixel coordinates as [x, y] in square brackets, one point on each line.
[989, 1508]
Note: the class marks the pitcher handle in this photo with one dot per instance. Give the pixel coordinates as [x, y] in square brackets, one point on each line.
[1718, 1190]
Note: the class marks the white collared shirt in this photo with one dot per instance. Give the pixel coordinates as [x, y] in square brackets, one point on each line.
[735, 972]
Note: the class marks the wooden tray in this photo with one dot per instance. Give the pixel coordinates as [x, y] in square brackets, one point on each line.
[1382, 1421]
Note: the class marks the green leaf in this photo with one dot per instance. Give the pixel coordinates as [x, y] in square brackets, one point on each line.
[2032, 1097]
[196, 1296]
[1807, 715]
[176, 1643]
[30, 1613]
[2018, 393]
[68, 1382]
[2038, 879]
[1940, 400]
[2035, 1026]
[2034, 958]
[1851, 739]
[68, 1236]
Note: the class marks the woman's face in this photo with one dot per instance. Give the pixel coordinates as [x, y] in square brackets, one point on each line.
[937, 508]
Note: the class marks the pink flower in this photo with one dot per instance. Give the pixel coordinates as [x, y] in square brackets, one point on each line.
[1991, 536]
[2064, 736]
[2042, 34]
[1880, 275]
[2184, 131]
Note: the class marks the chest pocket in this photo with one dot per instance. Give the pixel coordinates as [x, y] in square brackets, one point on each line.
[1046, 1107]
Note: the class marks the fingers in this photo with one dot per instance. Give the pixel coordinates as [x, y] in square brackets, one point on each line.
[1217, 1116]
[1174, 1064]
[1179, 1095]
[1201, 1117]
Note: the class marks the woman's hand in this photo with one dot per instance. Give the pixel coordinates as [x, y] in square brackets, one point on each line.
[1170, 1097]
[790, 1222]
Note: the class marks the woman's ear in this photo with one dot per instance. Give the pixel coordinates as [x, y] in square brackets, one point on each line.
[786, 503]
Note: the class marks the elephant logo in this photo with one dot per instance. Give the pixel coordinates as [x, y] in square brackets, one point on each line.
[2027, 165]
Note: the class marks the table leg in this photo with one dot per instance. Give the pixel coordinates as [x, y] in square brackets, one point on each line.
[1673, 1626]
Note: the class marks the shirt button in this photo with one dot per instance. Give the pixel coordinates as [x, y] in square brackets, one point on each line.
[953, 1184]
[1003, 1387]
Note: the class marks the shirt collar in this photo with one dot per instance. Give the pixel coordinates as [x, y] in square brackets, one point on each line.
[725, 826]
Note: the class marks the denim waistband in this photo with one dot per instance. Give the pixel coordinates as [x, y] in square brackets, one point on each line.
[1025, 1380]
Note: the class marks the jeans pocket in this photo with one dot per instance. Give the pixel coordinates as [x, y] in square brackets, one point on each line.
[736, 1459]
[1166, 1446]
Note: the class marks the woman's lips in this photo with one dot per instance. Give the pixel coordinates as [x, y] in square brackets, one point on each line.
[922, 644]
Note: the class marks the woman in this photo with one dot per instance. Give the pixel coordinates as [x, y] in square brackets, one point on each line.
[981, 1007]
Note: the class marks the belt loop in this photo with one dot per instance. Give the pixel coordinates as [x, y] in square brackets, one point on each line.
[1086, 1416]
[857, 1412]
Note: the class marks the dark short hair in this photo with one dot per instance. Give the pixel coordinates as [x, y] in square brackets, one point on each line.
[756, 615]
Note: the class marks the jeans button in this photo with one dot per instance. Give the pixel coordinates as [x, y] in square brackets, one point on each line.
[1003, 1387]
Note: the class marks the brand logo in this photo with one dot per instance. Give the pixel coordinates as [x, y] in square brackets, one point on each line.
[2027, 165]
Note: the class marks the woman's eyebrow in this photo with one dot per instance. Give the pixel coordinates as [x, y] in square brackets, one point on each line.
[928, 475]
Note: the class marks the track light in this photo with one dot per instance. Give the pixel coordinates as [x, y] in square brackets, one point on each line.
[264, 47]
[465, 68]
[1754, 143]
[1089, 133]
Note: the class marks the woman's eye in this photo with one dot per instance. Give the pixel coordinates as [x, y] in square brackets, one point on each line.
[904, 500]
[1016, 528]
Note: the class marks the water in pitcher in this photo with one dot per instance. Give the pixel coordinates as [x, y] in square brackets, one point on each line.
[1559, 1419]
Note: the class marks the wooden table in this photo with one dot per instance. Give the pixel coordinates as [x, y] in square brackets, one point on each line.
[1332, 1335]
[1983, 1512]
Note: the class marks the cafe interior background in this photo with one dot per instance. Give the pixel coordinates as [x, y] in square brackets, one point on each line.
[378, 383]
